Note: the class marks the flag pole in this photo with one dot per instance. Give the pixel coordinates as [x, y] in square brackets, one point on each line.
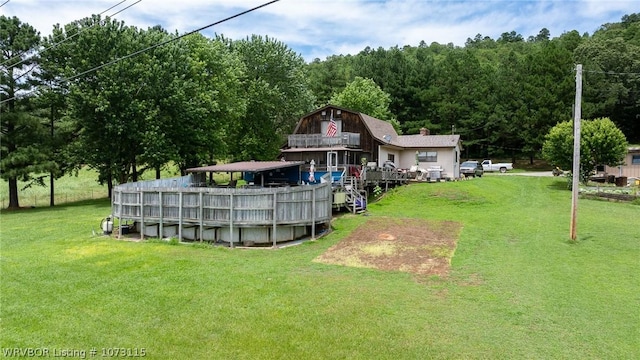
[329, 157]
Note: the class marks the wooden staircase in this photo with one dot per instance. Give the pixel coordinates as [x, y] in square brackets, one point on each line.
[356, 196]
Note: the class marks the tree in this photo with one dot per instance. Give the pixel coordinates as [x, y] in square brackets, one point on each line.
[501, 95]
[201, 99]
[547, 92]
[417, 111]
[109, 104]
[601, 143]
[612, 84]
[543, 36]
[365, 96]
[52, 108]
[462, 92]
[21, 153]
[326, 76]
[277, 95]
[570, 40]
[392, 71]
[480, 41]
[173, 103]
[510, 37]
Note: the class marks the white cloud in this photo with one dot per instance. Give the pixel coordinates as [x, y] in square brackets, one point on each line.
[317, 28]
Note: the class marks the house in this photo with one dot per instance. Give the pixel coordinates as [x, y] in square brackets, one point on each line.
[322, 168]
[360, 139]
[631, 167]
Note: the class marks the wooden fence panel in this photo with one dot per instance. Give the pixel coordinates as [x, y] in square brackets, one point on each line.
[293, 205]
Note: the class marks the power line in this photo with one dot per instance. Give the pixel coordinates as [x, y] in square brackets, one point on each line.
[153, 46]
[83, 30]
[610, 72]
[76, 34]
[166, 42]
[4, 3]
[20, 62]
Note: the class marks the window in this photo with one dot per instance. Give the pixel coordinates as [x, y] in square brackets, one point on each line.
[635, 159]
[428, 156]
[391, 157]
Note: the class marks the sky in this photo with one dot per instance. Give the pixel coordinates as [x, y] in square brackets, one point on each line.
[321, 28]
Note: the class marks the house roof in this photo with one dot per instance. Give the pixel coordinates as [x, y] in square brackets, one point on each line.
[324, 108]
[381, 129]
[247, 166]
[432, 141]
[384, 132]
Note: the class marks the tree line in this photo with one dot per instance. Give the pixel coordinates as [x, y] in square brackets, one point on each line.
[102, 94]
[502, 96]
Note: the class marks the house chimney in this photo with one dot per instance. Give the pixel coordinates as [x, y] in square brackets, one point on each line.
[424, 131]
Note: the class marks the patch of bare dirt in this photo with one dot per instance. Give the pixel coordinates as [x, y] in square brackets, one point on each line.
[410, 245]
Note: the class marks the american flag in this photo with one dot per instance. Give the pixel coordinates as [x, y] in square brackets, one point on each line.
[332, 129]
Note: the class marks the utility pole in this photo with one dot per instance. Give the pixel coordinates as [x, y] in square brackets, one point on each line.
[575, 172]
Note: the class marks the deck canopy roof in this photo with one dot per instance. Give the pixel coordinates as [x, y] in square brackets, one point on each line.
[246, 166]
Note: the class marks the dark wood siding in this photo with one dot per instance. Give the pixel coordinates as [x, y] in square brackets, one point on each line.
[351, 122]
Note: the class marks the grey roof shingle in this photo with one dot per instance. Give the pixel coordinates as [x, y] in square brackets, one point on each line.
[380, 128]
[419, 141]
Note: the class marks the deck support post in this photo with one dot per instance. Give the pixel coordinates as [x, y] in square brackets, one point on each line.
[313, 213]
[161, 226]
[231, 219]
[330, 202]
[119, 216]
[141, 215]
[200, 215]
[180, 214]
[275, 213]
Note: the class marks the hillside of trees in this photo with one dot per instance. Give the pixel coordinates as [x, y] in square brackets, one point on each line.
[502, 96]
[124, 100]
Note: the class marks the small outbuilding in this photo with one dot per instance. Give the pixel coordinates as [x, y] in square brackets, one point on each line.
[631, 167]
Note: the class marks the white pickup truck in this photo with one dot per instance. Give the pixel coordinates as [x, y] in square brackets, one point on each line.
[487, 165]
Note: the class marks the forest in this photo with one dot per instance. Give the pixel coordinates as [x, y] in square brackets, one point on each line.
[123, 100]
[502, 96]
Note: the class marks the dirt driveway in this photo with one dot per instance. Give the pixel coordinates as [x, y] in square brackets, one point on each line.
[526, 173]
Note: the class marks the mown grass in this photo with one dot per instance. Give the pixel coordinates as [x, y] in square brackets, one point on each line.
[518, 289]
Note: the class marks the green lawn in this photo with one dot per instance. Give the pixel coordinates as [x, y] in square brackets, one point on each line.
[69, 188]
[518, 289]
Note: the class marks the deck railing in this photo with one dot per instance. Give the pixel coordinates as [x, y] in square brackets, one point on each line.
[186, 205]
[319, 140]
